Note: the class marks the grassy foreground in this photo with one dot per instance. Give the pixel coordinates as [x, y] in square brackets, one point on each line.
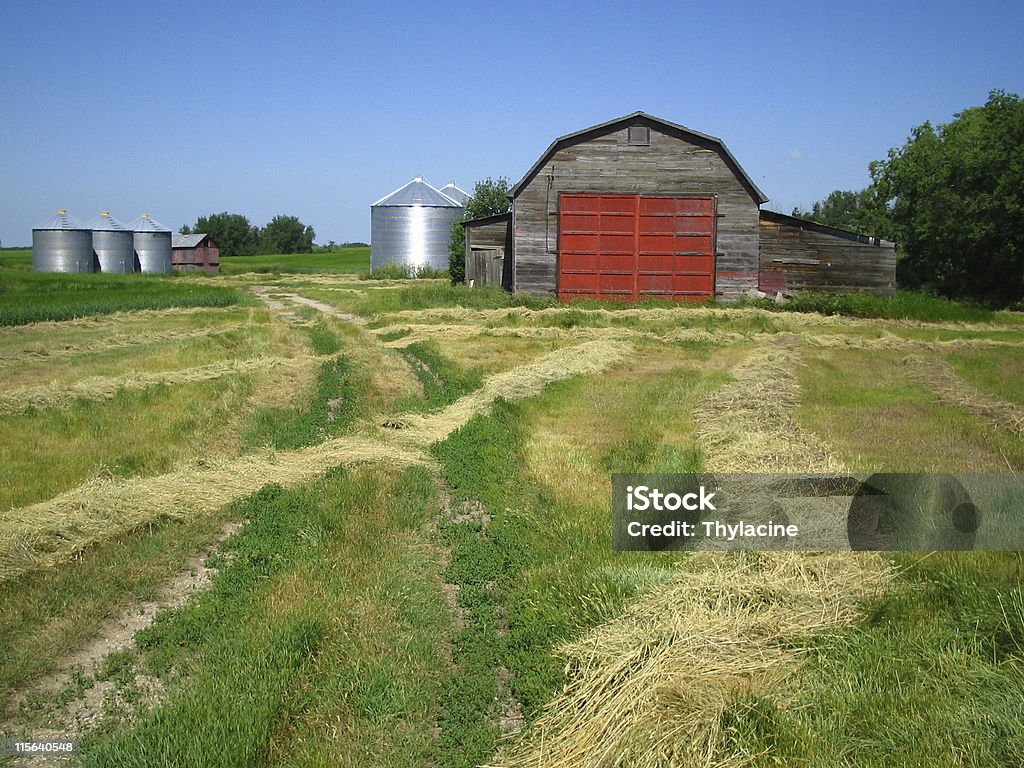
[435, 615]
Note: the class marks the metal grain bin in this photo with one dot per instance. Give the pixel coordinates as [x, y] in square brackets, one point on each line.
[152, 245]
[460, 196]
[62, 244]
[412, 226]
[114, 244]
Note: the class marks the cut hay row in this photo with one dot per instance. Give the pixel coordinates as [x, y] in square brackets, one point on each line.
[37, 352]
[659, 685]
[748, 425]
[937, 376]
[105, 387]
[669, 315]
[112, 320]
[52, 531]
[525, 381]
[656, 686]
[891, 341]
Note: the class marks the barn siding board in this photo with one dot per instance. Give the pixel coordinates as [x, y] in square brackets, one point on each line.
[802, 256]
[608, 164]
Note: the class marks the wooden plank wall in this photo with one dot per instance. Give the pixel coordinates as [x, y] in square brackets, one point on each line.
[609, 164]
[795, 259]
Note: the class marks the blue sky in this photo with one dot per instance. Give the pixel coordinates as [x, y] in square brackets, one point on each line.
[316, 109]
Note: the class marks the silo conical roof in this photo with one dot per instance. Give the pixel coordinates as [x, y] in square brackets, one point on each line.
[107, 223]
[460, 196]
[61, 220]
[417, 192]
[146, 224]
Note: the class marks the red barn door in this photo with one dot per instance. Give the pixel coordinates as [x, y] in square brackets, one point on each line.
[630, 247]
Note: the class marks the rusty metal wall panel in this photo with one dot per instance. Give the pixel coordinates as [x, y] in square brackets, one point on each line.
[631, 247]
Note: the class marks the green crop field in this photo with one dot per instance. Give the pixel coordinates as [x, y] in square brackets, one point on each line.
[342, 260]
[295, 517]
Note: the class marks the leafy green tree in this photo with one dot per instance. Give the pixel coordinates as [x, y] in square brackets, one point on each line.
[232, 233]
[490, 197]
[955, 198]
[286, 234]
[859, 211]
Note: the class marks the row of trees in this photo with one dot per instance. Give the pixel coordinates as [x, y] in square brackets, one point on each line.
[236, 236]
[490, 197]
[952, 198]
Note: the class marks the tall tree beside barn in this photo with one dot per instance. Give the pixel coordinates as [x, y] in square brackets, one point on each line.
[955, 195]
[490, 197]
[232, 232]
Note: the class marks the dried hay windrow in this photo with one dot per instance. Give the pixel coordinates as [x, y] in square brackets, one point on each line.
[105, 387]
[524, 381]
[55, 351]
[892, 341]
[113, 320]
[937, 376]
[658, 685]
[52, 531]
[669, 314]
[748, 425]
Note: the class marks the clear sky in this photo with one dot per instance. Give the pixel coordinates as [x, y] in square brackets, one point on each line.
[316, 109]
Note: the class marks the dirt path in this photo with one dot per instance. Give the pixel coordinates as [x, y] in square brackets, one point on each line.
[271, 295]
[73, 717]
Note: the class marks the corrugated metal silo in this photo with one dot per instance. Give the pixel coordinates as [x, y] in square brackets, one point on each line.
[152, 245]
[460, 196]
[114, 244]
[412, 226]
[62, 244]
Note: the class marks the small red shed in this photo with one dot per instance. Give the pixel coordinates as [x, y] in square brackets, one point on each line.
[191, 252]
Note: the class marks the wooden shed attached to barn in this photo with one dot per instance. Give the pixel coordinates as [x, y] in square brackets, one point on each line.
[800, 255]
[639, 207]
[192, 252]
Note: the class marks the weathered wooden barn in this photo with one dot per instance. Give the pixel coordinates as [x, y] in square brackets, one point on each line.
[639, 207]
[192, 252]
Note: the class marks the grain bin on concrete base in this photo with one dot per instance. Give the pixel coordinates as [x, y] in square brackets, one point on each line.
[412, 227]
[62, 244]
[152, 245]
[114, 245]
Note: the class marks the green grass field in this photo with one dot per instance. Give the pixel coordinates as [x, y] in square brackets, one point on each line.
[343, 260]
[31, 297]
[441, 589]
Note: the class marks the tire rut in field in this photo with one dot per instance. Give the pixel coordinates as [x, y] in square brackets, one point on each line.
[937, 376]
[74, 716]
